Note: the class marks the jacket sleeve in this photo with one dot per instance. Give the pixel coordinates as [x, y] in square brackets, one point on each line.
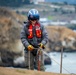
[44, 36]
[23, 36]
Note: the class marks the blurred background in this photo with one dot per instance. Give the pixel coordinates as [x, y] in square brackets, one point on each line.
[59, 19]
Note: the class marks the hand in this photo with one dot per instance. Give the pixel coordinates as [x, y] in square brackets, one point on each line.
[41, 46]
[30, 47]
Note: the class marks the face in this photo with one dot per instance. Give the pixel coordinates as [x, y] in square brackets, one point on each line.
[33, 21]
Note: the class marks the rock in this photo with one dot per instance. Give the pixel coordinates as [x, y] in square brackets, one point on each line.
[61, 37]
[47, 60]
[11, 48]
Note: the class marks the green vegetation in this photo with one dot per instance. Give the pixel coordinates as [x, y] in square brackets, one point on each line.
[50, 17]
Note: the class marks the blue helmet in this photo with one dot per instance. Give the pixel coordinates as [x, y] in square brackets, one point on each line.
[33, 14]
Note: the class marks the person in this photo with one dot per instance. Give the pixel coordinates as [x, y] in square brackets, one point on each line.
[33, 36]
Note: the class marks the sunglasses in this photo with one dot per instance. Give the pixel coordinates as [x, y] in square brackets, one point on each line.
[33, 19]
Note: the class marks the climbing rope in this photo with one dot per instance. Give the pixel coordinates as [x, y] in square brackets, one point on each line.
[55, 61]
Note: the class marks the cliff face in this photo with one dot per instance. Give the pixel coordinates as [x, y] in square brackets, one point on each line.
[10, 44]
[60, 36]
[10, 27]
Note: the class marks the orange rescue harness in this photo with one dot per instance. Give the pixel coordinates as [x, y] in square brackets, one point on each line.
[37, 29]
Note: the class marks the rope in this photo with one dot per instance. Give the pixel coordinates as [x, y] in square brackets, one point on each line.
[55, 61]
[29, 59]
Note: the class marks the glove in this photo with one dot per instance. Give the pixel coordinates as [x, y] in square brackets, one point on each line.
[41, 46]
[30, 47]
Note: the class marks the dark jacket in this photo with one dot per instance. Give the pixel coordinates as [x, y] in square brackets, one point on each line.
[34, 41]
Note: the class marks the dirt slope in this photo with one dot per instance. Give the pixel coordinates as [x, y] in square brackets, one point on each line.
[8, 71]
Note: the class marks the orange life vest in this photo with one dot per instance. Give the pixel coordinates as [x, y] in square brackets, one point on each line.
[38, 31]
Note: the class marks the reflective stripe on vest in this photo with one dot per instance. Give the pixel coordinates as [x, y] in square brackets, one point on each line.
[38, 31]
